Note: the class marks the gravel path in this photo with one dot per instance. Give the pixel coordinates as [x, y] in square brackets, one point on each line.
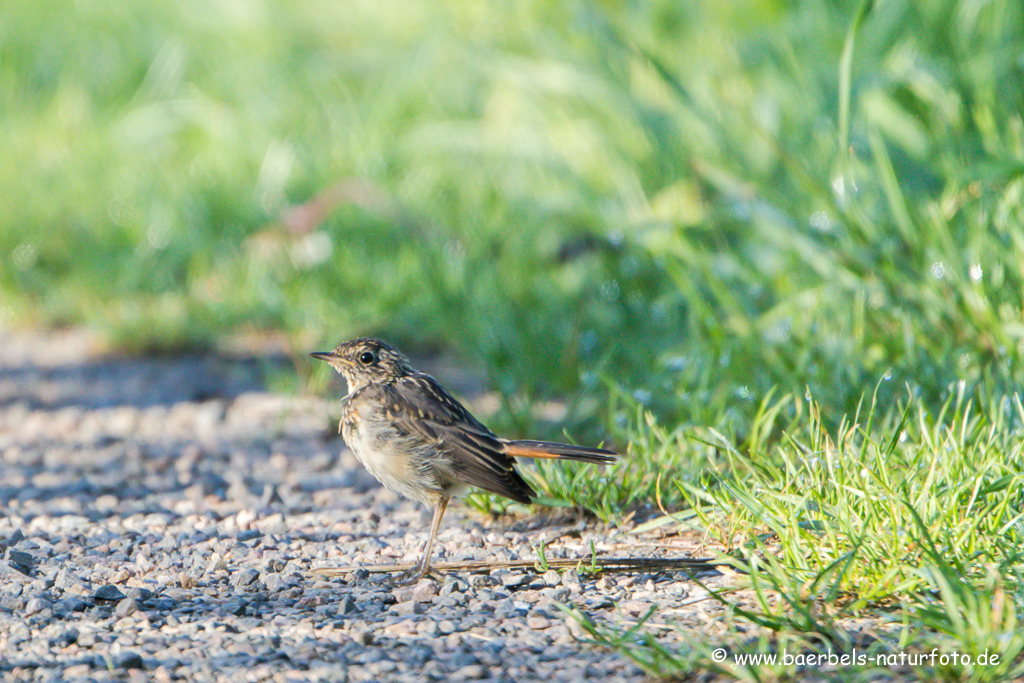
[163, 519]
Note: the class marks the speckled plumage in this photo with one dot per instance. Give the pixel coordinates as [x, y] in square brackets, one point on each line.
[417, 440]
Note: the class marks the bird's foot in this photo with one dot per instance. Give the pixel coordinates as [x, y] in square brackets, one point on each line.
[413, 576]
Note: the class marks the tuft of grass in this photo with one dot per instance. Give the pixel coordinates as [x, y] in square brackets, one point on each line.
[906, 519]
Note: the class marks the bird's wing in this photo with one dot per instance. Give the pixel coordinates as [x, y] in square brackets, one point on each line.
[421, 407]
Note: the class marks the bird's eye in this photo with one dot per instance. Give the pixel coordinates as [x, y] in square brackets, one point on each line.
[367, 357]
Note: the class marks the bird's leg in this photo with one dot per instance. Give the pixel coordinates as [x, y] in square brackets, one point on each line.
[423, 567]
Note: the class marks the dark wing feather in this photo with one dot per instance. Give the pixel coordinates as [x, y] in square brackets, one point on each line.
[420, 406]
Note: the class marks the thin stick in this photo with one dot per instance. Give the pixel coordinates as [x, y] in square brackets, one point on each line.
[600, 564]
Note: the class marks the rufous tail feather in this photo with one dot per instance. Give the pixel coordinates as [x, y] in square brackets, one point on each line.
[561, 451]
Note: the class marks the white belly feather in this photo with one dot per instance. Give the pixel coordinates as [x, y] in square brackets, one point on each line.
[380, 450]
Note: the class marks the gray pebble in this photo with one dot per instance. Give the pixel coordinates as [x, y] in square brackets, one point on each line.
[428, 628]
[275, 582]
[506, 609]
[470, 672]
[139, 594]
[347, 605]
[453, 585]
[537, 621]
[20, 559]
[424, 591]
[408, 607]
[551, 578]
[236, 606]
[108, 592]
[246, 577]
[67, 637]
[559, 594]
[453, 600]
[511, 579]
[482, 581]
[67, 580]
[72, 604]
[11, 572]
[274, 565]
[36, 605]
[126, 607]
[464, 659]
[130, 660]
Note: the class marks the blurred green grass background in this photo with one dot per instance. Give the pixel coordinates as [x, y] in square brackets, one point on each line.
[693, 202]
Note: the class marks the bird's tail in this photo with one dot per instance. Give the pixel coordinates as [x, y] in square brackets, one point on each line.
[562, 451]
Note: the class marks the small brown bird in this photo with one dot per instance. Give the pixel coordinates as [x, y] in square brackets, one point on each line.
[419, 441]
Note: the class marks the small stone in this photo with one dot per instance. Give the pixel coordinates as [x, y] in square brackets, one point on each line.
[130, 660]
[506, 610]
[452, 585]
[537, 622]
[446, 626]
[529, 597]
[428, 628]
[559, 594]
[67, 637]
[551, 578]
[424, 591]
[10, 572]
[68, 581]
[87, 640]
[126, 607]
[403, 593]
[482, 581]
[246, 577]
[635, 607]
[235, 606]
[470, 672]
[347, 605]
[270, 495]
[249, 535]
[72, 604]
[216, 563]
[408, 607]
[509, 578]
[22, 560]
[139, 594]
[571, 580]
[273, 566]
[108, 592]
[36, 605]
[275, 582]
[358, 575]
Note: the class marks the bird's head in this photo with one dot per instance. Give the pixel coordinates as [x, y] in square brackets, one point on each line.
[365, 361]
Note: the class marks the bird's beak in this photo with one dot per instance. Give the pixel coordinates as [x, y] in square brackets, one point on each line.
[323, 355]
